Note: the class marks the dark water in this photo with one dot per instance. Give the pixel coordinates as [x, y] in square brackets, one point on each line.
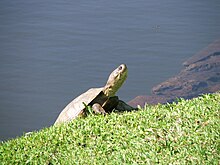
[51, 51]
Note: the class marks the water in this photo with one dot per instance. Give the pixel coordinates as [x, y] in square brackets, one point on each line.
[52, 51]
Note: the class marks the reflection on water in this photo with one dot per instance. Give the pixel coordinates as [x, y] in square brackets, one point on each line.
[51, 51]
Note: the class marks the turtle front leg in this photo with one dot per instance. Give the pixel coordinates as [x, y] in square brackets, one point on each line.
[97, 108]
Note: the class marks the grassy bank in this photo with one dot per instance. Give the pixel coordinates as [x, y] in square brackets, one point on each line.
[180, 133]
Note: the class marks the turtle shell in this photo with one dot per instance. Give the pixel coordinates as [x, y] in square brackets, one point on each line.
[76, 107]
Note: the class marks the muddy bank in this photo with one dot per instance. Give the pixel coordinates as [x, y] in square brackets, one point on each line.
[201, 74]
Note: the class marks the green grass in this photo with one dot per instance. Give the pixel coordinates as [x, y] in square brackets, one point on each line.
[186, 132]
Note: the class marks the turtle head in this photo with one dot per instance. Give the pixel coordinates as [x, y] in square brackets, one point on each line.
[115, 80]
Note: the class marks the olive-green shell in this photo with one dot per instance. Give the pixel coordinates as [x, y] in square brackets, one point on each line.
[76, 107]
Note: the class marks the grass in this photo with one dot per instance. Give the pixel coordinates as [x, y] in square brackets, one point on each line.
[186, 132]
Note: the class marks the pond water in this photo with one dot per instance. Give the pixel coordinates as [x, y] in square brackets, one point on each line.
[51, 51]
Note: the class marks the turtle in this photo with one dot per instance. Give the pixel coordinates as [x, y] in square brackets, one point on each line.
[102, 99]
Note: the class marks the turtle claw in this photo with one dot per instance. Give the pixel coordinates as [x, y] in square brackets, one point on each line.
[97, 108]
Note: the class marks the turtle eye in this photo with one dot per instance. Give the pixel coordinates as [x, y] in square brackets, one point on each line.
[120, 67]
